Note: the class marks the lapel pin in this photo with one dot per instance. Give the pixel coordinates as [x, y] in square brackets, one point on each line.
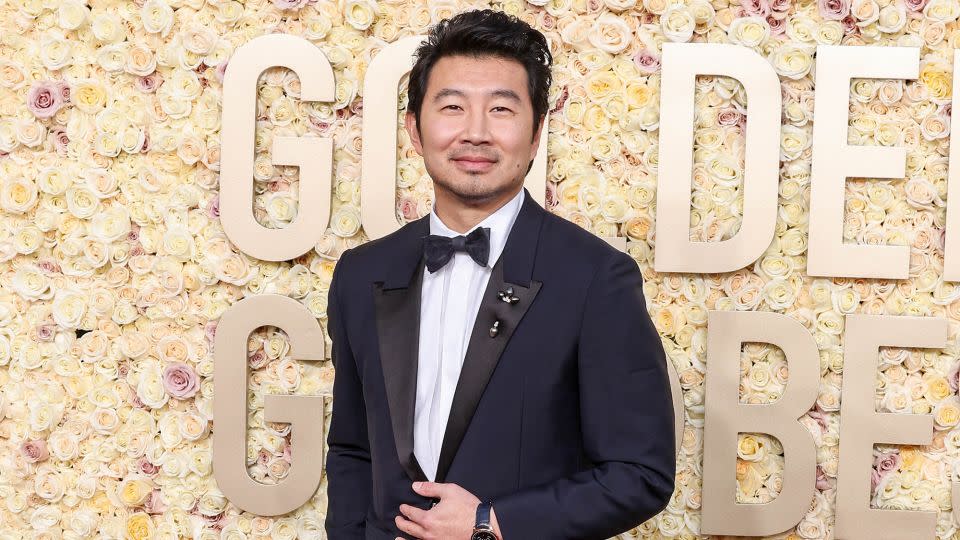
[495, 328]
[508, 296]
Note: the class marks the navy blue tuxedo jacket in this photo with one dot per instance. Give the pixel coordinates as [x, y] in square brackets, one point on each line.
[563, 419]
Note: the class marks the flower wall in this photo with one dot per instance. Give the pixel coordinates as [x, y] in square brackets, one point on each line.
[114, 268]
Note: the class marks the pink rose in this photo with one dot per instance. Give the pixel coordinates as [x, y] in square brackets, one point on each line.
[146, 467]
[850, 27]
[180, 381]
[210, 331]
[728, 116]
[780, 5]
[148, 83]
[60, 139]
[953, 378]
[408, 208]
[647, 61]
[289, 4]
[756, 7]
[44, 99]
[213, 211]
[833, 10]
[823, 483]
[356, 106]
[45, 332]
[550, 198]
[64, 89]
[258, 359]
[915, 5]
[778, 25]
[883, 464]
[34, 450]
[220, 71]
[154, 503]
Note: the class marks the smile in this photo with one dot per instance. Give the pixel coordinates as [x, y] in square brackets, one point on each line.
[473, 165]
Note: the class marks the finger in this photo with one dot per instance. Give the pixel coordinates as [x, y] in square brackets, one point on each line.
[410, 527]
[412, 512]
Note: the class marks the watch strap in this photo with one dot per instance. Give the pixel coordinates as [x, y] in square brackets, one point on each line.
[483, 515]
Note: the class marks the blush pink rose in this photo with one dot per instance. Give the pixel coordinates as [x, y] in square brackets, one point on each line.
[915, 5]
[833, 10]
[408, 208]
[780, 5]
[44, 99]
[180, 381]
[258, 359]
[647, 61]
[760, 8]
[154, 503]
[883, 464]
[289, 4]
[148, 83]
[34, 450]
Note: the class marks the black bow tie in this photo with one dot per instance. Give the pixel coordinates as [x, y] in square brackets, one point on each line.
[439, 249]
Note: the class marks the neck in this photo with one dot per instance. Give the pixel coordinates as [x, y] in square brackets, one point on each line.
[461, 215]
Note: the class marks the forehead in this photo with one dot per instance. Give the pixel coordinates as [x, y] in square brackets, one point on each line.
[477, 75]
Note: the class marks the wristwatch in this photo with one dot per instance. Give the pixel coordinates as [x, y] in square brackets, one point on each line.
[482, 530]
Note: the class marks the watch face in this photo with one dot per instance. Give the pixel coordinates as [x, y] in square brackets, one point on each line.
[483, 535]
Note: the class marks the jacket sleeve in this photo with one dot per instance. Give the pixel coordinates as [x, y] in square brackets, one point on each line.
[626, 418]
[349, 482]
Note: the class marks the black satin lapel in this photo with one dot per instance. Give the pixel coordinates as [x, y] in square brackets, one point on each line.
[398, 329]
[483, 353]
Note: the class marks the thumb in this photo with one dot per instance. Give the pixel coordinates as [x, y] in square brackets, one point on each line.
[429, 489]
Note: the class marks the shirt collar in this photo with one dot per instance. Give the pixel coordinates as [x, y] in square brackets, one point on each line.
[500, 223]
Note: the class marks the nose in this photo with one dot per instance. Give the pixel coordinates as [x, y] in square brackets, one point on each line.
[476, 130]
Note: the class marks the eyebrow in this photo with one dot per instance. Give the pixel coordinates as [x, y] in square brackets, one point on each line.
[501, 92]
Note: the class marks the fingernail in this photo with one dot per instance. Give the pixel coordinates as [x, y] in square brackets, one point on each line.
[416, 485]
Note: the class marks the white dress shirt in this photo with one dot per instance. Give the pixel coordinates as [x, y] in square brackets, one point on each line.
[450, 299]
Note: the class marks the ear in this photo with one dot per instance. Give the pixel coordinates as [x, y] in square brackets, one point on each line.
[410, 123]
[536, 137]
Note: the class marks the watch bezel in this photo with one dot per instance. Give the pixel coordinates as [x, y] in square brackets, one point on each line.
[483, 534]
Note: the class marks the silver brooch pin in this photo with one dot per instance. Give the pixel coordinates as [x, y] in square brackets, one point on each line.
[495, 328]
[508, 296]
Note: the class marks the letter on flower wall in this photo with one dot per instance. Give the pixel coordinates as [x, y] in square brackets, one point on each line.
[230, 406]
[834, 161]
[314, 155]
[726, 417]
[681, 65]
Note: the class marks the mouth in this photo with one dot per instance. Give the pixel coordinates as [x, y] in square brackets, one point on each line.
[474, 163]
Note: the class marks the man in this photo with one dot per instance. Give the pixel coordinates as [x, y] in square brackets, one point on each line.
[496, 370]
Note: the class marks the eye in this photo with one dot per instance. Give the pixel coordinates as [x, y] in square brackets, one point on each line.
[504, 108]
[448, 106]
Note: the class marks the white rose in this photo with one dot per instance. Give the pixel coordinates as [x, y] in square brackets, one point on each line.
[19, 195]
[110, 225]
[55, 52]
[792, 60]
[83, 522]
[678, 23]
[30, 282]
[107, 28]
[150, 388]
[610, 33]
[749, 31]
[68, 308]
[892, 18]
[360, 14]
[157, 17]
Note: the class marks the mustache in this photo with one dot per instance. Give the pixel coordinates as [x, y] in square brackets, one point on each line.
[473, 153]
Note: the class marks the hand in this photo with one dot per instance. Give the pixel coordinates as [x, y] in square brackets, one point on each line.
[452, 518]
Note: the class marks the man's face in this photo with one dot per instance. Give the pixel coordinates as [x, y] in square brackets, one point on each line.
[476, 127]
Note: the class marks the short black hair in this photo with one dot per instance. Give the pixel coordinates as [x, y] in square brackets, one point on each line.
[483, 33]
